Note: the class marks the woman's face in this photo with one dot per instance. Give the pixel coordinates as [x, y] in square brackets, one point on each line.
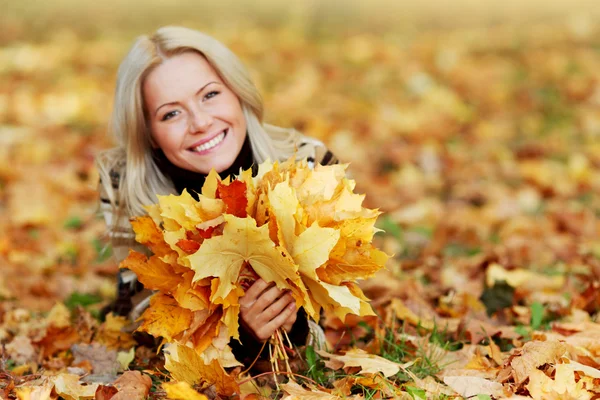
[195, 118]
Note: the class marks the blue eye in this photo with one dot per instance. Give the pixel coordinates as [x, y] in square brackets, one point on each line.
[210, 95]
[169, 115]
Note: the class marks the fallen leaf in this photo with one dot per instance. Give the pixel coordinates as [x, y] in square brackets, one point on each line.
[533, 354]
[181, 391]
[69, 387]
[468, 386]
[369, 363]
[186, 365]
[132, 385]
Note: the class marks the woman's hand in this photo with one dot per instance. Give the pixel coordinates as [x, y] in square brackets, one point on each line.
[265, 308]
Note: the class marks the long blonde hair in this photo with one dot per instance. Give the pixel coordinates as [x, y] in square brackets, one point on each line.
[140, 178]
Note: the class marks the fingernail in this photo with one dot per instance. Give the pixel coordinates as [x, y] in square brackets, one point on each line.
[292, 305]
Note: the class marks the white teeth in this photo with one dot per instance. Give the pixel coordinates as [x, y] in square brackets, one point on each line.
[212, 143]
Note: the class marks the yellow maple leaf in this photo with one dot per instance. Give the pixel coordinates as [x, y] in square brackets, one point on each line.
[181, 209]
[209, 189]
[563, 386]
[70, 387]
[112, 335]
[312, 247]
[186, 365]
[194, 297]
[181, 391]
[283, 205]
[165, 317]
[321, 183]
[223, 257]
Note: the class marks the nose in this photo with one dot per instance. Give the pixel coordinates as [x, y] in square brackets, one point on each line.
[200, 121]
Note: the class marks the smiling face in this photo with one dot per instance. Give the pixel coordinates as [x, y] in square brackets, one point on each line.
[194, 117]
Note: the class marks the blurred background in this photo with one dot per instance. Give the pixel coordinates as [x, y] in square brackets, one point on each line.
[474, 124]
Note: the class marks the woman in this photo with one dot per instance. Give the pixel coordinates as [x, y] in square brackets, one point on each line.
[185, 104]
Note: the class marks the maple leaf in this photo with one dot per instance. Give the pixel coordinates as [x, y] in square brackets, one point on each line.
[57, 339]
[311, 248]
[165, 317]
[132, 385]
[563, 386]
[152, 272]
[369, 363]
[180, 209]
[223, 257]
[469, 386]
[297, 392]
[283, 205]
[148, 234]
[185, 365]
[181, 391]
[533, 354]
[192, 296]
[234, 197]
[111, 333]
[69, 387]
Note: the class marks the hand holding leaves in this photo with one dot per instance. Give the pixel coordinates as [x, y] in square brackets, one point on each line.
[265, 308]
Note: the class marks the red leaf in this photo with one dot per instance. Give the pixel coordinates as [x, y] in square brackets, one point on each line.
[199, 234]
[234, 197]
[105, 392]
[189, 246]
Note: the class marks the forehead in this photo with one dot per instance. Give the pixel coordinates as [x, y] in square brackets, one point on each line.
[177, 75]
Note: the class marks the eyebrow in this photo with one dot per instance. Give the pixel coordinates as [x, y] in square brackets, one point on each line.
[174, 102]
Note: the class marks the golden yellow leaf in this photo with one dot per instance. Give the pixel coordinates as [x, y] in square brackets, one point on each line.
[312, 247]
[111, 333]
[181, 209]
[283, 205]
[69, 387]
[320, 184]
[41, 391]
[337, 299]
[185, 365]
[563, 386]
[181, 391]
[223, 257]
[59, 316]
[194, 297]
[209, 189]
[165, 317]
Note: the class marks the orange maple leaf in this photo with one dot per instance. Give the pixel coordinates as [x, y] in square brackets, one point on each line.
[189, 246]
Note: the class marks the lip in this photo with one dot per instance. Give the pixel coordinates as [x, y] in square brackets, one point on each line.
[201, 142]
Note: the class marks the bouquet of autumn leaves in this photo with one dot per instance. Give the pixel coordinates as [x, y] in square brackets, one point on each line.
[303, 229]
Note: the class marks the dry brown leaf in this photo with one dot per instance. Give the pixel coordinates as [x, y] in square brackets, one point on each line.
[469, 386]
[533, 354]
[132, 385]
[369, 363]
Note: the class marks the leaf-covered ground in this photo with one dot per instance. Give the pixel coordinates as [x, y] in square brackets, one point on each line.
[482, 146]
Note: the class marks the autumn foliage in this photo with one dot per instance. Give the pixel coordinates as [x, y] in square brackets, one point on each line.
[304, 230]
[479, 142]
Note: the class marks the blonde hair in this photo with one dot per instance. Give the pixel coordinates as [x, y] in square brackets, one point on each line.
[140, 178]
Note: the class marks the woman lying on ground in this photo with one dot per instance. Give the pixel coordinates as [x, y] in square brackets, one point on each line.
[184, 104]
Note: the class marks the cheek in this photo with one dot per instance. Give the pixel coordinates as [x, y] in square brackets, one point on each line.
[165, 138]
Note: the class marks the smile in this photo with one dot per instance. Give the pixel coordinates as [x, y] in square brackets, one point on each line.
[211, 143]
